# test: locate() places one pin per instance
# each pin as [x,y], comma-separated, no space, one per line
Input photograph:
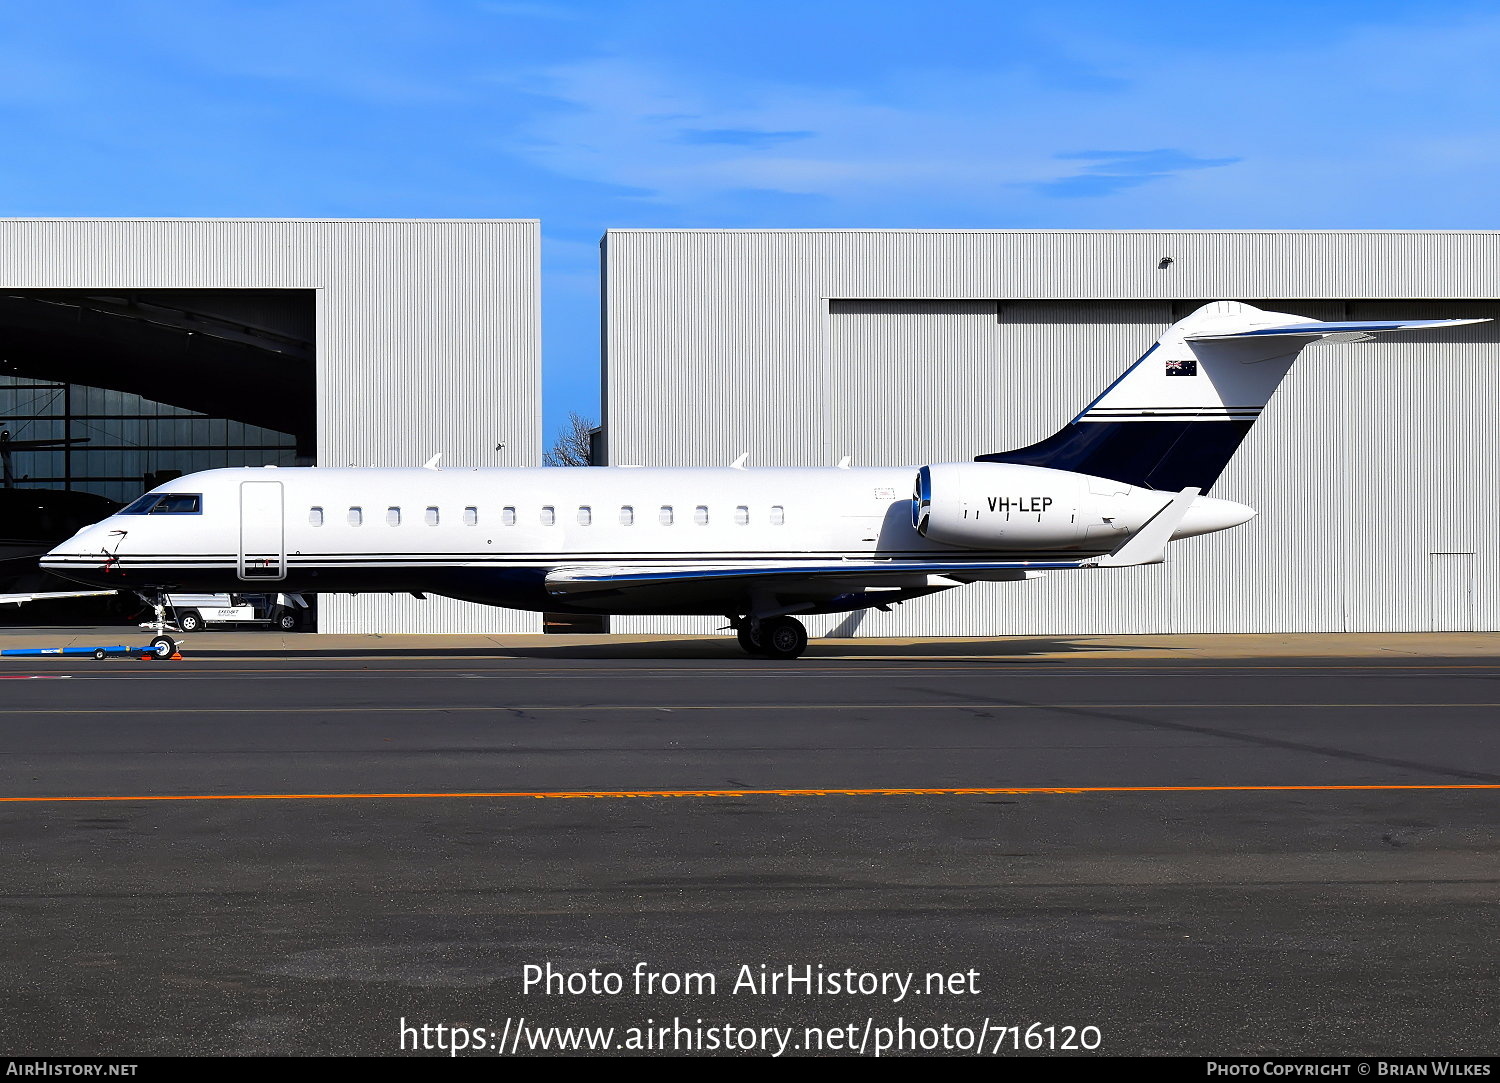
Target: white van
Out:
[284,612]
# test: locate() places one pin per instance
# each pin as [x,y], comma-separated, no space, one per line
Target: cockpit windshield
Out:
[165,504]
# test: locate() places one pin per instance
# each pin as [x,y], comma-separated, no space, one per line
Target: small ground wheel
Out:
[100,654]
[190,620]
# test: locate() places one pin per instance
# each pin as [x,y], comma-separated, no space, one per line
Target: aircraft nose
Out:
[82,541]
[1209,514]
[81,558]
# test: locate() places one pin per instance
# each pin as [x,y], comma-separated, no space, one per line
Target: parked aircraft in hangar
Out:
[760,547]
[33,520]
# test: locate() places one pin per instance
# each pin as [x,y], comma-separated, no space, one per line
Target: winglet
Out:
[1148,545]
[739,464]
[432,463]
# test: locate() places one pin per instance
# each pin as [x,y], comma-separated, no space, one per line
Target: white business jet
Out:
[758,546]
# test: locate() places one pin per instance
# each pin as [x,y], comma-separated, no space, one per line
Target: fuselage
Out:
[493,535]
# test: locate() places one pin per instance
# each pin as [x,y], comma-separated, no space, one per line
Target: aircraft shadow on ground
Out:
[717,648]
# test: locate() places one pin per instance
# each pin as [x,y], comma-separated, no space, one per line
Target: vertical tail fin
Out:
[1175,418]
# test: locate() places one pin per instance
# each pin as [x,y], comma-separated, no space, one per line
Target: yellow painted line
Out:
[1215,705]
[944,791]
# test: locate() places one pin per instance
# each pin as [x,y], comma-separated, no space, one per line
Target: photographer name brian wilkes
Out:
[1376,1068]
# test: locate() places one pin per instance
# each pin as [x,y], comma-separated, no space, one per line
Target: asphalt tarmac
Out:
[295,855]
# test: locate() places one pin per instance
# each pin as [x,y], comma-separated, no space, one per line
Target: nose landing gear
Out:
[162,645]
[781,638]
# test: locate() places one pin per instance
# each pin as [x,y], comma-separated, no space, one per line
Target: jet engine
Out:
[998,506]
[1016,509]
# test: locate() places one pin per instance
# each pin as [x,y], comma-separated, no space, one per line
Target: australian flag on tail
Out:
[1182,367]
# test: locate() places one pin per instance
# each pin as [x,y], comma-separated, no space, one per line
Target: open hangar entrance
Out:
[107,393]
[426,344]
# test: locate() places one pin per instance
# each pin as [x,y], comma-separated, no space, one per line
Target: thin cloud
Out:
[1111,171]
[994,145]
[740,137]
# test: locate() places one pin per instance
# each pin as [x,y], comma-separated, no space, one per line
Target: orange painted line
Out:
[944,791]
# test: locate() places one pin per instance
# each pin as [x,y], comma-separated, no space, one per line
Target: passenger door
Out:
[262,555]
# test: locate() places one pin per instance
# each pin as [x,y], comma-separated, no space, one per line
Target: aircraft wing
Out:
[22,599]
[591,579]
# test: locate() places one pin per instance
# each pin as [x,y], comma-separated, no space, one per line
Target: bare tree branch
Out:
[572,446]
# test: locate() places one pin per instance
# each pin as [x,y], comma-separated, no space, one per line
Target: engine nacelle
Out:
[1013,508]
[998,506]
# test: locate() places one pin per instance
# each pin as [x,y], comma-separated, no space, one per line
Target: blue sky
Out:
[588,115]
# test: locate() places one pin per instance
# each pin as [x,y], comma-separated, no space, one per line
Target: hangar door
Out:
[262,555]
[922,381]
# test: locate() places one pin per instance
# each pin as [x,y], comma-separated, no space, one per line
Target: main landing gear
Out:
[782,638]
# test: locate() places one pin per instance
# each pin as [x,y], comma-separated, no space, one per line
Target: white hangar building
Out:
[143,348]
[1375,468]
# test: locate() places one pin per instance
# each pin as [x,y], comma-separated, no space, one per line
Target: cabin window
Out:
[549,515]
[508,516]
[742,516]
[627,515]
[356,516]
[585,515]
[430,517]
[700,515]
[664,517]
[471,516]
[392,516]
[315,516]
[778,515]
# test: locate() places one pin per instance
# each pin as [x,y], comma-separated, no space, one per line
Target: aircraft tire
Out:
[163,646]
[749,642]
[782,638]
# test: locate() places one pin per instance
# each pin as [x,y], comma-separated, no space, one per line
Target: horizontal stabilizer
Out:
[1317,329]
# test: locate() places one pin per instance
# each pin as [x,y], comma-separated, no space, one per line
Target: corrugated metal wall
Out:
[802,347]
[428,340]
